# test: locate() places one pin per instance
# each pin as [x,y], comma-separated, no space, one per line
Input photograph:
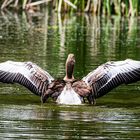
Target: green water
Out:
[46,39]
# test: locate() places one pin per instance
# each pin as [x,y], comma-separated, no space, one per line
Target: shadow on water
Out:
[46,39]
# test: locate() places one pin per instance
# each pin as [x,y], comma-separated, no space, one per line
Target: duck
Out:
[71,91]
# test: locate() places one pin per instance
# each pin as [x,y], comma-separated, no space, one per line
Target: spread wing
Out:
[27,74]
[112,74]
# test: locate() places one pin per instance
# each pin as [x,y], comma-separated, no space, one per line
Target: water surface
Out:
[46,39]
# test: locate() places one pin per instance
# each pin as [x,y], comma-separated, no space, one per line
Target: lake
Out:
[46,38]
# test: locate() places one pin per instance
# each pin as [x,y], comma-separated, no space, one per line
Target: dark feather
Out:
[112,74]
[27,74]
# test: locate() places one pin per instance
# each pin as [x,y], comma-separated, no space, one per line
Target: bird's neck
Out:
[69,71]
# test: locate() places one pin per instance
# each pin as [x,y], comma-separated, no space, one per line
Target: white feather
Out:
[69,97]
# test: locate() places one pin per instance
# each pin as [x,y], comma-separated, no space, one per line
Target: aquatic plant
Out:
[97,7]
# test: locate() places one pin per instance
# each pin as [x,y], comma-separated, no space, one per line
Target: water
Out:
[46,39]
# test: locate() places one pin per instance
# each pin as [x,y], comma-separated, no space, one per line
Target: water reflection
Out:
[50,34]
[61,122]
[46,39]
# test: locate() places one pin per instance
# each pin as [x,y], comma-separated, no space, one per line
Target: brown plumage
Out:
[69,90]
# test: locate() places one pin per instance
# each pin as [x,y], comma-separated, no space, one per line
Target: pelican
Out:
[69,90]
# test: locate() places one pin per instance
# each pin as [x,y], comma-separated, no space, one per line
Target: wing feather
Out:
[27,74]
[112,74]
